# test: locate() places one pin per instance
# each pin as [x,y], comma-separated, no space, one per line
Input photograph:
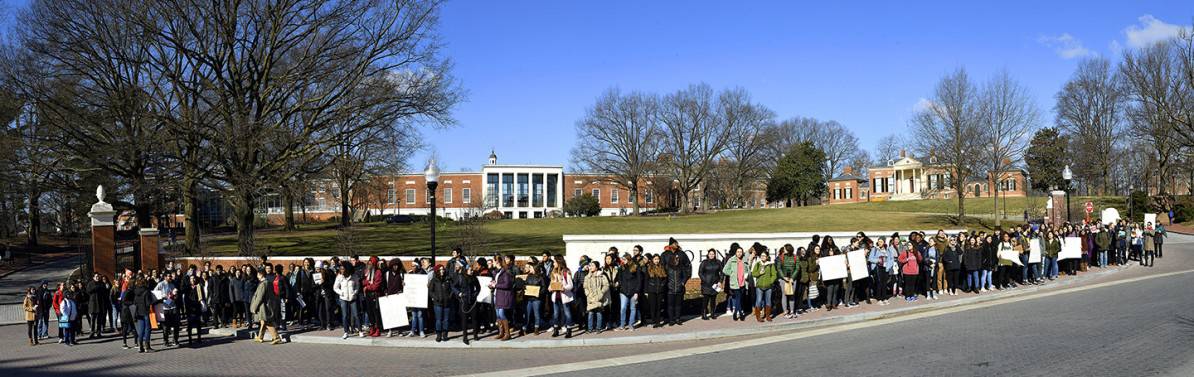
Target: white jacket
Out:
[346,287]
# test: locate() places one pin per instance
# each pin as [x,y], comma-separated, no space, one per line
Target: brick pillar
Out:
[150,243]
[103,237]
[1055,210]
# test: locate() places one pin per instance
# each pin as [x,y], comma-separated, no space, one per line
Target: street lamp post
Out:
[432,175]
[1067,175]
[1130,189]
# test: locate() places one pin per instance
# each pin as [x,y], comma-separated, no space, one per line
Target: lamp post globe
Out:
[432,177]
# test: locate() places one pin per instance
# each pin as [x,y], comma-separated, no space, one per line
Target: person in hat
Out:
[372,287]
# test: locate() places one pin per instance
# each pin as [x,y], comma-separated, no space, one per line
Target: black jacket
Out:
[236,290]
[676,277]
[972,258]
[440,290]
[537,280]
[630,283]
[952,259]
[466,289]
[142,298]
[655,285]
[97,296]
[710,274]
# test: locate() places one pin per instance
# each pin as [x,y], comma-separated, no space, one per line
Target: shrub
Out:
[584,205]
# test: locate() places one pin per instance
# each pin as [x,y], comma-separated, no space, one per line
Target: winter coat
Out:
[710,273]
[990,256]
[677,276]
[97,296]
[236,289]
[393,283]
[909,263]
[466,288]
[371,284]
[656,280]
[1052,247]
[952,259]
[810,271]
[972,258]
[257,304]
[764,274]
[630,283]
[345,287]
[731,270]
[440,290]
[596,291]
[30,314]
[503,290]
[142,299]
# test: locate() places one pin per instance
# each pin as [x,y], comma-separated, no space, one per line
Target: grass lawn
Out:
[531,236]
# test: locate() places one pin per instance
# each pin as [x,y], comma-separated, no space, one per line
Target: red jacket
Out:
[372,282]
[58,301]
[909,262]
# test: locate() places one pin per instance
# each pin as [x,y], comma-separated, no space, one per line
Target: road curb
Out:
[768,328]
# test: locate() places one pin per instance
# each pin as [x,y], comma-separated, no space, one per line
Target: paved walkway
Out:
[12,287]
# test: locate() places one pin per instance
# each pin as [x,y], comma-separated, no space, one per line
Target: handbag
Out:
[789,288]
[813,292]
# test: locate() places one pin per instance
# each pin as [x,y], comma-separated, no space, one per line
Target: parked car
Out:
[399,219]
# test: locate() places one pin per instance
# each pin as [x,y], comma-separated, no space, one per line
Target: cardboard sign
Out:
[393,311]
[486,295]
[858,267]
[1034,250]
[832,267]
[1071,248]
[414,291]
[531,291]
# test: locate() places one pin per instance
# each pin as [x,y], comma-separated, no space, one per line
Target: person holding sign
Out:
[789,273]
[1149,246]
[832,286]
[560,287]
[533,293]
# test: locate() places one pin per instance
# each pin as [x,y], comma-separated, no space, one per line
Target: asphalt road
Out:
[1134,328]
[1141,328]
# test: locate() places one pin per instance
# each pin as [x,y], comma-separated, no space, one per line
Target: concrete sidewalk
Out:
[722,327]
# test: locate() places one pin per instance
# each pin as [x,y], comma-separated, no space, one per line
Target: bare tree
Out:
[751,128]
[694,135]
[950,129]
[281,79]
[839,144]
[1008,117]
[620,137]
[1090,108]
[888,147]
[1152,80]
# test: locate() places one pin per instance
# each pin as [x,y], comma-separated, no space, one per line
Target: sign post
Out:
[1089,210]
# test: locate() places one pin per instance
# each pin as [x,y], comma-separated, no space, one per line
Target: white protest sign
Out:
[1034,250]
[1150,218]
[1071,248]
[1009,254]
[486,295]
[1110,216]
[832,267]
[414,291]
[393,312]
[857,259]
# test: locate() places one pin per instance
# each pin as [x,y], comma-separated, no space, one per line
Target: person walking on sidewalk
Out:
[30,307]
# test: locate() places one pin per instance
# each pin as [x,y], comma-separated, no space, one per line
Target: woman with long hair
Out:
[910,268]
[710,273]
[503,297]
[560,286]
[765,276]
[654,288]
[736,269]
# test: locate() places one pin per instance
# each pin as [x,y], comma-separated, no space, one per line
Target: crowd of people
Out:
[618,292]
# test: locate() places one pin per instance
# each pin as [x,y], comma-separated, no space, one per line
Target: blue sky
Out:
[531,68]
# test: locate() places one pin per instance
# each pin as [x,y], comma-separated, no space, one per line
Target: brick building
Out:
[907,178]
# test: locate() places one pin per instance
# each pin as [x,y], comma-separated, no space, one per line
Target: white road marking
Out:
[658,356]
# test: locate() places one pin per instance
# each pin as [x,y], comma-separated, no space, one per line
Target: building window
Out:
[597,194]
[538,214]
[837,194]
[553,183]
[466,195]
[447,194]
[491,184]
[575,193]
[537,190]
[391,194]
[613,195]
[507,190]
[650,198]
[410,196]
[522,214]
[323,203]
[427,197]
[849,193]
[523,190]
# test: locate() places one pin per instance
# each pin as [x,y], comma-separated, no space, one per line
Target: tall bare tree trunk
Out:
[242,209]
[287,209]
[34,218]
[189,213]
[634,196]
[961,220]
